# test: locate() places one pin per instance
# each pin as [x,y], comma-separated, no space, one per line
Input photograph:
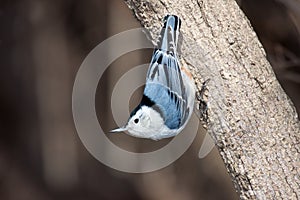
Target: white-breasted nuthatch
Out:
[169,94]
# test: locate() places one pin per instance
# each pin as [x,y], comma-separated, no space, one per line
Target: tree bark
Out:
[252,121]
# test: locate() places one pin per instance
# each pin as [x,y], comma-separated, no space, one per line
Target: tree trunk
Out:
[251,119]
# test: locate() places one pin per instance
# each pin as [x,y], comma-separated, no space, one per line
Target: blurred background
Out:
[42,45]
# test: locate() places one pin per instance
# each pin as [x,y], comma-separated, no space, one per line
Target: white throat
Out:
[151,124]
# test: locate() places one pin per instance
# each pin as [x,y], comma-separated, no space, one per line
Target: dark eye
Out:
[136,120]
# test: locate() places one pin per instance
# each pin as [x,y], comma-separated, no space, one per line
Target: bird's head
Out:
[144,122]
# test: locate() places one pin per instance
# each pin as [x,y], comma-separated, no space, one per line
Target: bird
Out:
[169,94]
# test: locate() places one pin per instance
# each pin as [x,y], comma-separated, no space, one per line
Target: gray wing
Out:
[165,87]
[164,83]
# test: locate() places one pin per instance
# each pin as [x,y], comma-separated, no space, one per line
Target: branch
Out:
[253,122]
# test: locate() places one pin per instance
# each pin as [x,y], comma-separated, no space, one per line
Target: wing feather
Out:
[165,87]
[164,83]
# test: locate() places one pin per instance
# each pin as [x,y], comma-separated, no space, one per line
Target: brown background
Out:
[42,44]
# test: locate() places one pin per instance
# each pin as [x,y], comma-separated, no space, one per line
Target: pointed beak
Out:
[118,130]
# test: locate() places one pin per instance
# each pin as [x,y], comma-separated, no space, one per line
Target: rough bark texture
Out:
[251,119]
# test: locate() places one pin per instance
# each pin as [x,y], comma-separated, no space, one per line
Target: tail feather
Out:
[169,34]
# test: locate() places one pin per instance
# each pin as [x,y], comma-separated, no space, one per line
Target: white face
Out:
[146,123]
